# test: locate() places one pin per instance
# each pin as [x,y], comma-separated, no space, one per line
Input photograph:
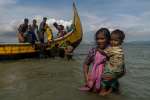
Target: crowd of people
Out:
[36,33]
[32,33]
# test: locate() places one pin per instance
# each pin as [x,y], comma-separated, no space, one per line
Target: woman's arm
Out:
[86,70]
[89,59]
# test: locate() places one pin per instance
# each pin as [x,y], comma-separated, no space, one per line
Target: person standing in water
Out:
[97,58]
[68,50]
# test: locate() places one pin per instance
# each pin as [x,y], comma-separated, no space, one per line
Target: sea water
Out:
[59,79]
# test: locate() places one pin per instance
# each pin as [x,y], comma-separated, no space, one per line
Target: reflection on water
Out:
[55,79]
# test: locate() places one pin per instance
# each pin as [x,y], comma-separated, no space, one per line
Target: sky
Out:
[131,16]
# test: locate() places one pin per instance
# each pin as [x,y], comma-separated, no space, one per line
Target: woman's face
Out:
[101,40]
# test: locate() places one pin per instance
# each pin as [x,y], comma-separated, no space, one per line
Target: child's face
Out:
[114,40]
[101,40]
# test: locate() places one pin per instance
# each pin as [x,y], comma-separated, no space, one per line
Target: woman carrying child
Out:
[107,63]
[97,58]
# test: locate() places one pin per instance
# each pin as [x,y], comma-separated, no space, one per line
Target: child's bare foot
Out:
[109,91]
[104,92]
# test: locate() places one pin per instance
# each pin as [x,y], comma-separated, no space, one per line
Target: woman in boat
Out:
[23,28]
[61,30]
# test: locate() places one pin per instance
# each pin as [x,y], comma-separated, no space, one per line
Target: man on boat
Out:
[30,36]
[34,28]
[23,28]
[42,30]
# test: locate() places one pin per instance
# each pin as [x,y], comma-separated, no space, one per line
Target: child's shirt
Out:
[116,58]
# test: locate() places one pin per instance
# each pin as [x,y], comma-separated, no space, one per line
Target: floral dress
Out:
[97,59]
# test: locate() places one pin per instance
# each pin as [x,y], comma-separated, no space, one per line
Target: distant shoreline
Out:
[131,42]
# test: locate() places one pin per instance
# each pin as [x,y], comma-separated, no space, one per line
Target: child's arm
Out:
[108,51]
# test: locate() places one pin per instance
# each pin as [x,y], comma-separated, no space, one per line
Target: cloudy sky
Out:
[132,16]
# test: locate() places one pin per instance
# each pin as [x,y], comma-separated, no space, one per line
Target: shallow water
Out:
[55,79]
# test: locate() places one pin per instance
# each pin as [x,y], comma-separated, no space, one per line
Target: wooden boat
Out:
[23,50]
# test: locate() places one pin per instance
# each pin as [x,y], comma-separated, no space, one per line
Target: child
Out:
[114,68]
[97,57]
[68,50]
